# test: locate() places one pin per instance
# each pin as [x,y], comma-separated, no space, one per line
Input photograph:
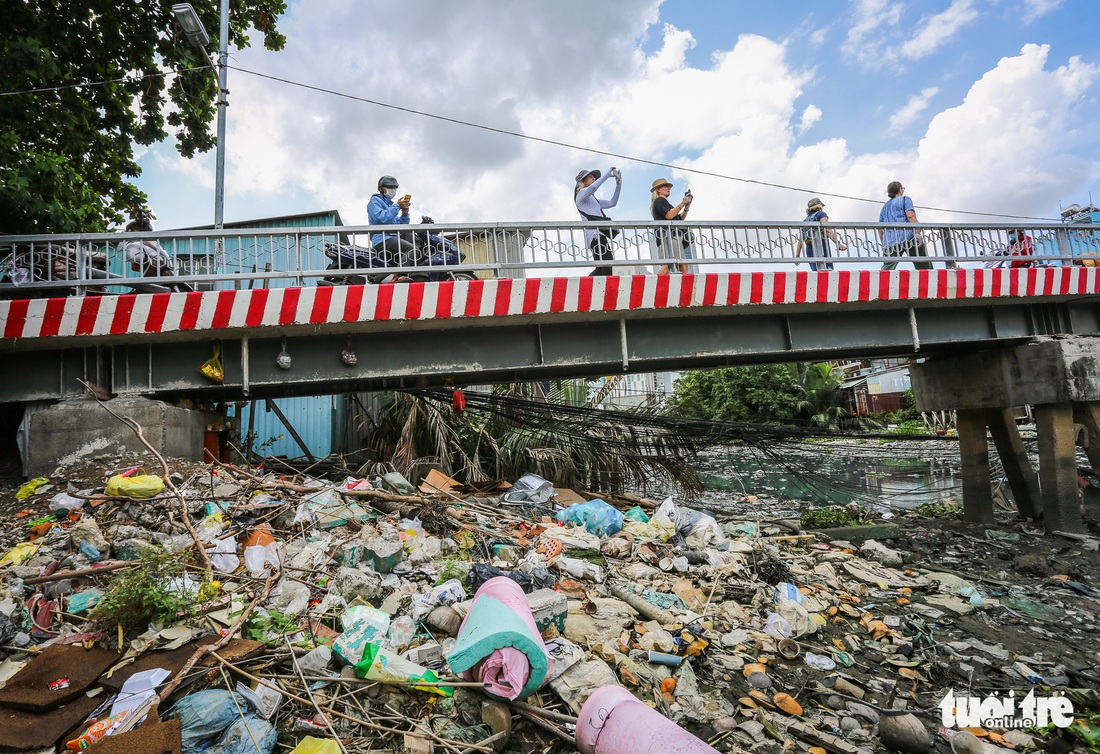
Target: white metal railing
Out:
[79,264]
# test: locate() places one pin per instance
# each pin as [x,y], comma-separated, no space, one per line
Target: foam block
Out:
[499,643]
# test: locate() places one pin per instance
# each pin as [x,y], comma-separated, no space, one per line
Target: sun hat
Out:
[658,183]
[815,202]
[585,173]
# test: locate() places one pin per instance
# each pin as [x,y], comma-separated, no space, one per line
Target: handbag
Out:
[608,233]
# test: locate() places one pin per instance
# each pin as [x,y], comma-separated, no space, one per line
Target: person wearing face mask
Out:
[384,208]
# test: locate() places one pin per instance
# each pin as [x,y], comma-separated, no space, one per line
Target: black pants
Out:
[601,252]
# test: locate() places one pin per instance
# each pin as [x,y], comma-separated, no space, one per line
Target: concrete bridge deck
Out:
[503,329]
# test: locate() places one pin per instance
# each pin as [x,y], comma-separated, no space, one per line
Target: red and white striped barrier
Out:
[93,316]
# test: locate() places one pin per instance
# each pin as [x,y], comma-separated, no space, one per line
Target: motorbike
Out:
[51,263]
[430,250]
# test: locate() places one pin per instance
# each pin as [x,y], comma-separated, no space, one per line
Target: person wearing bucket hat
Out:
[816,237]
[591,208]
[671,244]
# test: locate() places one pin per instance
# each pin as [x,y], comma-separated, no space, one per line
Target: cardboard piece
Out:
[30,688]
[23,730]
[436,481]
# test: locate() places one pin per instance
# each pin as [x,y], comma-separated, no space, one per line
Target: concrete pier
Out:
[1060,378]
[77,430]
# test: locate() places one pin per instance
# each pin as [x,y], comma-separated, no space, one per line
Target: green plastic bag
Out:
[140,487]
[636,514]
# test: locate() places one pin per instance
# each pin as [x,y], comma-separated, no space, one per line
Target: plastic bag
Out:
[141,487]
[257,559]
[581,569]
[212,367]
[597,516]
[224,556]
[636,514]
[530,488]
[31,487]
[402,632]
[290,597]
[698,529]
[778,627]
[65,501]
[447,593]
[311,745]
[378,664]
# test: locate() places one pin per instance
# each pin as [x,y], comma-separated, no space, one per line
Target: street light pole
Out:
[197,36]
[223,93]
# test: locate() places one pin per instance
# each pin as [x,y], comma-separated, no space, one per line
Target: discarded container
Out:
[499,643]
[789,649]
[614,721]
[663,658]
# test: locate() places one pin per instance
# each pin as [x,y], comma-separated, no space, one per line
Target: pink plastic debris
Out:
[614,721]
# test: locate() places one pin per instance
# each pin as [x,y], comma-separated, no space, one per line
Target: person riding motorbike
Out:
[384,208]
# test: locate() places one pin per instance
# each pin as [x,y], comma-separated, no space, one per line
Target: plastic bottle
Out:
[316,660]
[94,732]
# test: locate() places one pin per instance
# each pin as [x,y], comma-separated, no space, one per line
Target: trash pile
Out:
[229,610]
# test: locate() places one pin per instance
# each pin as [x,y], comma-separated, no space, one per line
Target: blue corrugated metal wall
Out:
[318,420]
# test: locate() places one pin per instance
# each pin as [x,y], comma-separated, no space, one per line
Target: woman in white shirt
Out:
[592,208]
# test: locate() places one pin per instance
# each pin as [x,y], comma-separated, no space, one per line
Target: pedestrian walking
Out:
[900,241]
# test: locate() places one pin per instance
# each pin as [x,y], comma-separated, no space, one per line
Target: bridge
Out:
[1001,330]
[532,312]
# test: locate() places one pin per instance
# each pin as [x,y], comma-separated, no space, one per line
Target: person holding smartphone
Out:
[677,243]
[384,208]
[591,208]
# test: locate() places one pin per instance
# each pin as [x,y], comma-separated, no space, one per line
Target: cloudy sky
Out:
[978,105]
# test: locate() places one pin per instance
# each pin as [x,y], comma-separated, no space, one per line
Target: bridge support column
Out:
[1060,377]
[1088,416]
[974,450]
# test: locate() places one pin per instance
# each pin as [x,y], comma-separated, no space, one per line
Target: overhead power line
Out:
[615,155]
[528,137]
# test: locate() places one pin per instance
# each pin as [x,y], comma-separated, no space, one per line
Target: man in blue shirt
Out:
[899,241]
[385,209]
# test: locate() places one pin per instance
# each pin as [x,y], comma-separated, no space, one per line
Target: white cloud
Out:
[916,105]
[1034,9]
[583,79]
[811,115]
[875,23]
[936,30]
[1006,148]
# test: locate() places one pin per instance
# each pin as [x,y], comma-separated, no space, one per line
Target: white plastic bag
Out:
[263,560]
[224,557]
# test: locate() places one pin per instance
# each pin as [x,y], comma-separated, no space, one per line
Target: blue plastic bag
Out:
[597,516]
[210,721]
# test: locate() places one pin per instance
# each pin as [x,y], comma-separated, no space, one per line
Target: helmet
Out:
[387,181]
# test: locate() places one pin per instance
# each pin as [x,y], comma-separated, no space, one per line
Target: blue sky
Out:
[983,105]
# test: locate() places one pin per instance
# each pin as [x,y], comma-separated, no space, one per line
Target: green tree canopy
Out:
[757,394]
[82,83]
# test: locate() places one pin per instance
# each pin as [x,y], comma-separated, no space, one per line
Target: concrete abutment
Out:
[1060,378]
[76,430]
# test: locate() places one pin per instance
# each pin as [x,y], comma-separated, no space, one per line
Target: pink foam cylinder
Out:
[614,721]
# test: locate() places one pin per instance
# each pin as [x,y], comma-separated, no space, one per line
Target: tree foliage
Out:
[82,83]
[756,394]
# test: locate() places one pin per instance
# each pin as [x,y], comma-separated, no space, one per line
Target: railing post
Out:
[947,236]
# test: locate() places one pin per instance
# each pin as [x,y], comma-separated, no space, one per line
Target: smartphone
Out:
[408,197]
[687,193]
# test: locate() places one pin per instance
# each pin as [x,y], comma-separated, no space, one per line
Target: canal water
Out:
[788,478]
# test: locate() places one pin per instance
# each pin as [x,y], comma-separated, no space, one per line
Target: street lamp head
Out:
[191,24]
